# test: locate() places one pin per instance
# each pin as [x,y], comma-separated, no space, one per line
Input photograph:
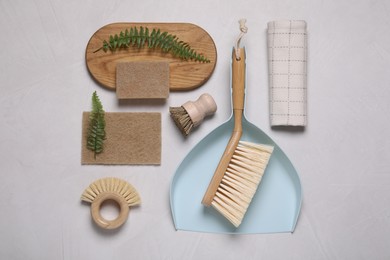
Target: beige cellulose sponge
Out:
[142,80]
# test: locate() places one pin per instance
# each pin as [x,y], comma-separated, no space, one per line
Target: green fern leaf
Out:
[96,129]
[141,35]
[164,41]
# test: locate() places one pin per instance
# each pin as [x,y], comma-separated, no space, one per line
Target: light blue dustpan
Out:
[274,208]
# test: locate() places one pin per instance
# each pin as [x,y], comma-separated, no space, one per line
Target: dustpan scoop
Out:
[275,206]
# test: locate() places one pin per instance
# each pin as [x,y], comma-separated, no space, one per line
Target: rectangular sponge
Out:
[131,138]
[142,80]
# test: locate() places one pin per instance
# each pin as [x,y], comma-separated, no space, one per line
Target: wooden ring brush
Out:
[242,165]
[117,190]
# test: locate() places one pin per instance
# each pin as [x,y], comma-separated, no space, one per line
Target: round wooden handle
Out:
[203,106]
[206,104]
[109,224]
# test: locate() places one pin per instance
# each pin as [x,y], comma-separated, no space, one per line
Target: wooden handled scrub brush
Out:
[192,113]
[242,165]
[114,189]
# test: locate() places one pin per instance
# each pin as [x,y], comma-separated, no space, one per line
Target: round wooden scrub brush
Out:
[192,113]
[117,190]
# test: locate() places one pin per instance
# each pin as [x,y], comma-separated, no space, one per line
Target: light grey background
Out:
[342,156]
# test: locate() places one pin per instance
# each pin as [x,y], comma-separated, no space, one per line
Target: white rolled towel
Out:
[287,64]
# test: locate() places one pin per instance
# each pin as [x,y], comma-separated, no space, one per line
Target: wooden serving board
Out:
[184,75]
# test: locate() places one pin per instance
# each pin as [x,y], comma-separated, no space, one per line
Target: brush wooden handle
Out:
[109,224]
[203,106]
[238,92]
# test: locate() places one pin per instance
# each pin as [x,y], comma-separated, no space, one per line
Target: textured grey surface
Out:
[342,155]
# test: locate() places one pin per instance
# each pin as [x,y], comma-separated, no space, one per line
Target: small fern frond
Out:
[138,38]
[96,129]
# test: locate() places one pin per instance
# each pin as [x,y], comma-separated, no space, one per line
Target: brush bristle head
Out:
[241,179]
[112,185]
[181,119]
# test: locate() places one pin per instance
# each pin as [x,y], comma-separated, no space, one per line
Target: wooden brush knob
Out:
[203,106]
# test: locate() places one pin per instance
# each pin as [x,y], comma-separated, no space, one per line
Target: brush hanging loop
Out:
[243,30]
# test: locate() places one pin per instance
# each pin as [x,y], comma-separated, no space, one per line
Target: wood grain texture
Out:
[184,75]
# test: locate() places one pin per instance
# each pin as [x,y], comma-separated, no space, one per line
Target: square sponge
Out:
[142,80]
[131,138]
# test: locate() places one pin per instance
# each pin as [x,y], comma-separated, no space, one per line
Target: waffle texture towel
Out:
[287,64]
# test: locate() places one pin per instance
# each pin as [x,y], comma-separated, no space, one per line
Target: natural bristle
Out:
[181,119]
[241,179]
[115,185]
